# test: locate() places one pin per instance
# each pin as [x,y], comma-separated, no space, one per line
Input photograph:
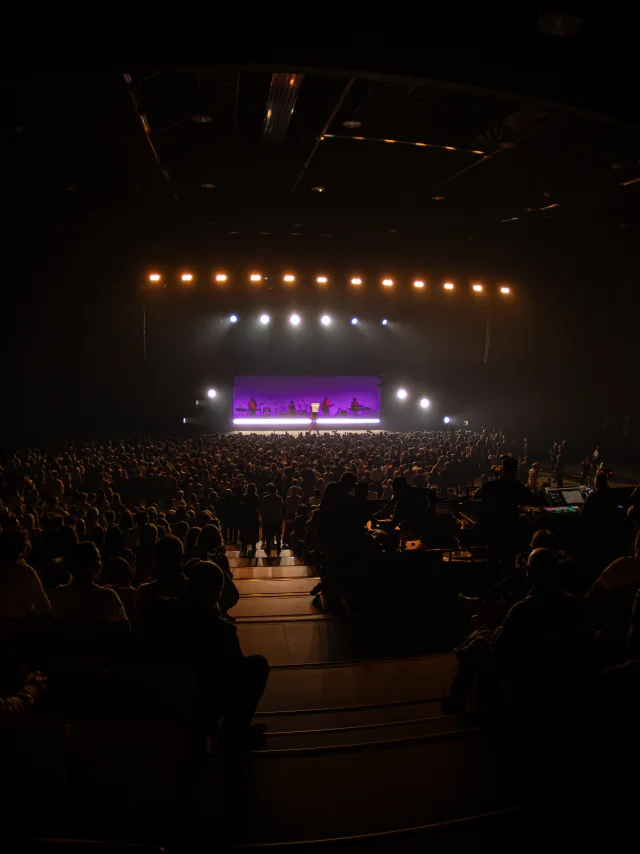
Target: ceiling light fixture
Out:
[221,277]
[505,289]
[448,286]
[154,277]
[255,277]
[325,320]
[201,120]
[351,124]
[322,280]
[418,283]
[438,198]
[387,283]
[289,278]
[477,288]
[318,189]
[356,280]
[207,186]
[186,277]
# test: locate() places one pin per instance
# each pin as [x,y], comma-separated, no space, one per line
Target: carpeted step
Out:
[363,734]
[274,586]
[357,684]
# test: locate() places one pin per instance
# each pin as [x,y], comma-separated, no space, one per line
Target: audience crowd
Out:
[136,532]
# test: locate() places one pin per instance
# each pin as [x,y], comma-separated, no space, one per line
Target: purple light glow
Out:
[274,394]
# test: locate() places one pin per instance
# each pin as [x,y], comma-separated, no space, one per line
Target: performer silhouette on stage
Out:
[292,408]
[355,406]
[313,425]
[325,406]
[253,406]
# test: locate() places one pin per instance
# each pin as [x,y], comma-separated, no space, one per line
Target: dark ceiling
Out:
[101,150]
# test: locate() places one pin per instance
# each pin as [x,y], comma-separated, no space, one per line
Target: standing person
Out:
[272,516]
[534,473]
[586,468]
[325,406]
[559,471]
[250,525]
[253,407]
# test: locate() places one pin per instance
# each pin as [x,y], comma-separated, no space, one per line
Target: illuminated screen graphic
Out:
[287,400]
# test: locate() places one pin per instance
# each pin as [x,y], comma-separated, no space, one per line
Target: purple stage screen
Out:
[289,397]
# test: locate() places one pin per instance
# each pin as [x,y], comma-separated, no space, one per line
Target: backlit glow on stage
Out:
[262,400]
[302,422]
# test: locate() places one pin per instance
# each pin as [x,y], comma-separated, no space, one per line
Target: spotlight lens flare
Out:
[255,277]
[325,320]
[356,280]
[402,394]
[425,403]
[385,322]
[322,280]
[387,283]
[448,286]
[478,289]
[354,321]
[289,278]
[294,320]
[211,393]
[233,318]
[446,419]
[264,319]
[505,290]
[418,283]
[186,277]
[154,277]
[221,277]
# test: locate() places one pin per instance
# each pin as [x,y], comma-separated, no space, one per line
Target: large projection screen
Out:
[352,401]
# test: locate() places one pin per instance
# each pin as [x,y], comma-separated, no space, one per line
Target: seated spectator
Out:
[211,548]
[537,648]
[230,684]
[82,600]
[119,575]
[608,605]
[21,591]
[18,695]
[169,580]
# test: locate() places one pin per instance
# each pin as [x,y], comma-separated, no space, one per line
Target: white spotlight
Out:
[402,394]
[325,320]
[211,393]
[425,403]
[294,320]
[184,420]
[354,321]
[446,419]
[264,319]
[233,318]
[385,321]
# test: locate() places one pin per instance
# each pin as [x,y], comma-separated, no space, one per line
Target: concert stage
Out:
[277,402]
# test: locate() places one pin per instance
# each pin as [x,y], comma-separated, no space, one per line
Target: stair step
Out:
[237,562]
[364,683]
[254,571]
[275,586]
[269,607]
[389,713]
[363,734]
[334,792]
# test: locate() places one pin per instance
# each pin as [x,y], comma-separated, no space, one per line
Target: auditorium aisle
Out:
[357,744]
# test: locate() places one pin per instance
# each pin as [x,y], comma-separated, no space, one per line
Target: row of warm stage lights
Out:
[289,279]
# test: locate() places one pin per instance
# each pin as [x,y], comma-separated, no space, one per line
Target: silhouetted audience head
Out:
[83,564]
[542,569]
[205,583]
[168,555]
[14,545]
